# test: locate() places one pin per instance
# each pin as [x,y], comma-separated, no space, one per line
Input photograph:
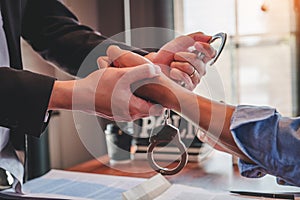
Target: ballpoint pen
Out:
[265,194]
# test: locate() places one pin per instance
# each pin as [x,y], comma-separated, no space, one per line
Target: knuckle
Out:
[99,60]
[186,67]
[146,66]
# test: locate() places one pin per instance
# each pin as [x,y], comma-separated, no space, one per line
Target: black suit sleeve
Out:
[54,32]
[24,100]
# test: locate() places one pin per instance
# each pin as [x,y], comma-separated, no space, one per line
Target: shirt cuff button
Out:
[259,174]
[281,182]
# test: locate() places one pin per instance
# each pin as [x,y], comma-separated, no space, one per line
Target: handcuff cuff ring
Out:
[180,145]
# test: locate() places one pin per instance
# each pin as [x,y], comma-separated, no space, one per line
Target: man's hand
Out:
[176,59]
[182,65]
[107,93]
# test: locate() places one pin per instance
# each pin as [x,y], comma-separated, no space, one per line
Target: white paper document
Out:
[58,184]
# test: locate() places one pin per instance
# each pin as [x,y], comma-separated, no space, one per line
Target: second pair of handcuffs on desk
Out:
[167,133]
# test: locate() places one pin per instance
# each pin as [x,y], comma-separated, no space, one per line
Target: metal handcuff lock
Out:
[167,133]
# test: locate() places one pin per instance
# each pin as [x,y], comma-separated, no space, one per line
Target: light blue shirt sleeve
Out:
[269,140]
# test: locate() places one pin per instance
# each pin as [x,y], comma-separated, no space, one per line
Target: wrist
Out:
[61,96]
[150,56]
[161,90]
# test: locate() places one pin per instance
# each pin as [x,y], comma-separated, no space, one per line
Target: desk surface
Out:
[215,173]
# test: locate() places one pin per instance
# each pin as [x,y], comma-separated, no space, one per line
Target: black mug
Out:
[118,142]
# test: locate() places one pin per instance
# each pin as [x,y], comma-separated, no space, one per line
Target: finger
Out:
[206,49]
[192,60]
[200,36]
[185,56]
[124,58]
[186,41]
[140,72]
[114,52]
[122,92]
[103,62]
[138,108]
[141,108]
[183,66]
[181,77]
[182,43]
[194,77]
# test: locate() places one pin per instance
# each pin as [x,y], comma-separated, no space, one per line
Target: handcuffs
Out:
[167,133]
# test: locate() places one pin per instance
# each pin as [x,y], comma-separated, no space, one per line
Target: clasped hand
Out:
[111,84]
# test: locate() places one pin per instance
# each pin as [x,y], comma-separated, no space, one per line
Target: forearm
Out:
[73,95]
[61,96]
[213,117]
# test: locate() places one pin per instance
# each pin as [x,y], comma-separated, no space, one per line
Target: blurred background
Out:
[258,65]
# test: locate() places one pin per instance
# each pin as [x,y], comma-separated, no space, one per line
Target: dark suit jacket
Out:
[54,32]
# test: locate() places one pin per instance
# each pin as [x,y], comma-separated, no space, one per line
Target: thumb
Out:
[141,72]
[114,52]
[200,37]
[190,39]
[124,58]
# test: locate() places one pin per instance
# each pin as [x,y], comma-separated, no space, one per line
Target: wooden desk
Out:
[216,173]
